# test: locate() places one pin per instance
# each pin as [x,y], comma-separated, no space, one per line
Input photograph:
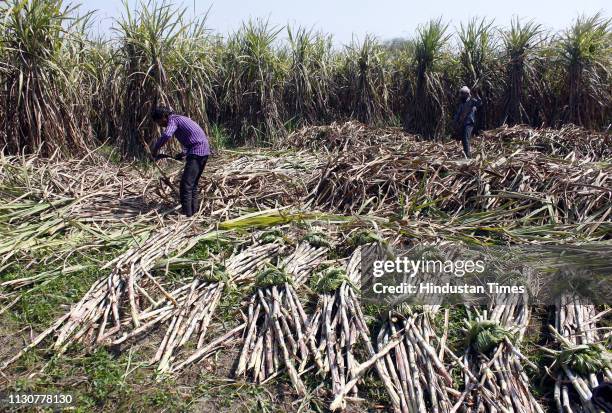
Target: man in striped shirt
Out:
[195,149]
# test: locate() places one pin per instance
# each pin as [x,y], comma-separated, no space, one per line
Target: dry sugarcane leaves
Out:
[534,189]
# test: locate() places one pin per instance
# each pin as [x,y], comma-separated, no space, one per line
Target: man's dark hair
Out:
[161,112]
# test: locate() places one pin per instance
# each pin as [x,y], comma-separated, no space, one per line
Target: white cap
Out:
[464,89]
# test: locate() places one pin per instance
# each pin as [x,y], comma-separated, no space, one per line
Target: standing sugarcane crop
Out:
[465,117]
[195,148]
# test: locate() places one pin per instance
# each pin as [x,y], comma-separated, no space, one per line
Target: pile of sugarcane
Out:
[191,316]
[583,361]
[188,310]
[569,140]
[52,208]
[243,266]
[524,186]
[90,189]
[275,336]
[307,255]
[257,181]
[420,380]
[131,302]
[338,325]
[494,375]
[195,313]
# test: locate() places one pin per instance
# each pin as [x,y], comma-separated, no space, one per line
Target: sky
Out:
[386,19]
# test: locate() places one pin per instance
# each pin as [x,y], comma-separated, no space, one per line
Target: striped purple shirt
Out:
[188,133]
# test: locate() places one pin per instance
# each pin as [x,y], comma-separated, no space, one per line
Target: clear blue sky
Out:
[384,18]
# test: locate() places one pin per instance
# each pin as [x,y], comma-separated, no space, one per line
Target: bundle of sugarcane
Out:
[186,313]
[276,324]
[274,337]
[419,376]
[308,255]
[193,317]
[98,316]
[495,379]
[338,324]
[532,188]
[582,363]
[190,303]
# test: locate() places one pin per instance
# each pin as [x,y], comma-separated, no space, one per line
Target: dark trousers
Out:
[465,139]
[194,166]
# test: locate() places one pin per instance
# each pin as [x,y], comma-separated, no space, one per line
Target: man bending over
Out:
[195,150]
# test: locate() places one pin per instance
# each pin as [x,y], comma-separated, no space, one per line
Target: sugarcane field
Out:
[278,216]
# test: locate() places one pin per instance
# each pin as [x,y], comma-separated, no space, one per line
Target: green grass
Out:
[43,302]
[226,396]
[219,137]
[102,381]
[39,307]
